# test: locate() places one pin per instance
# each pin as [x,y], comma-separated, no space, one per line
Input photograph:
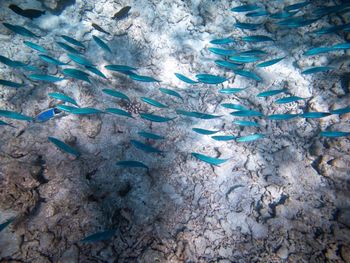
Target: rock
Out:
[345,253]
[71,255]
[344,217]
[91,126]
[283,252]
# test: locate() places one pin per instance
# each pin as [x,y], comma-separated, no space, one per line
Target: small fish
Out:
[4,123]
[230,90]
[244,59]
[253,52]
[246,123]
[332,29]
[247,26]
[98,28]
[119,112]
[341,110]
[73,41]
[142,78]
[80,60]
[68,48]
[245,8]
[122,13]
[131,163]
[14,115]
[318,50]
[208,159]
[76,74]
[63,97]
[7,223]
[11,84]
[247,113]
[247,74]
[29,13]
[271,93]
[149,135]
[314,115]
[334,134]
[288,99]
[222,52]
[210,79]
[154,102]
[269,62]
[185,79]
[47,78]
[296,22]
[102,44]
[223,137]
[51,60]
[199,115]
[96,71]
[120,68]
[63,146]
[227,64]
[341,46]
[47,115]
[85,111]
[11,63]
[257,38]
[285,116]
[20,30]
[296,6]
[116,94]
[171,93]
[144,147]
[257,13]
[66,108]
[100,236]
[35,46]
[250,138]
[155,118]
[234,106]
[316,70]
[203,131]
[283,15]
[222,41]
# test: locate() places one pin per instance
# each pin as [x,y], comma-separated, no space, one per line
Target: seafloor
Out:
[284,198]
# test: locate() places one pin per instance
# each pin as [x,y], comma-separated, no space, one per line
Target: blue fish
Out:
[7,223]
[62,97]
[318,50]
[155,118]
[271,93]
[120,68]
[316,70]
[247,74]
[223,137]
[314,115]
[51,60]
[285,116]
[203,131]
[227,64]
[20,30]
[234,106]
[250,138]
[63,146]
[341,110]
[154,102]
[132,163]
[247,113]
[257,38]
[80,60]
[96,71]
[208,159]
[296,6]
[47,78]
[199,115]
[244,58]
[269,62]
[246,123]
[149,135]
[210,79]
[142,78]
[247,26]
[222,41]
[100,236]
[14,115]
[73,41]
[116,94]
[35,46]
[334,134]
[119,112]
[231,90]
[144,147]
[222,52]
[11,84]
[245,8]
[47,115]
[68,48]
[283,15]
[76,74]
[171,93]
[257,13]
[102,44]
[185,79]
[288,99]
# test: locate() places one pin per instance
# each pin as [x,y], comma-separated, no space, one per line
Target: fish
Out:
[185,79]
[96,71]
[73,41]
[271,93]
[62,97]
[222,52]
[318,50]
[80,60]
[51,60]
[341,46]
[314,115]
[199,115]
[149,135]
[257,38]
[120,68]
[131,163]
[47,115]
[257,13]
[288,99]
[100,236]
[14,115]
[246,123]
[170,92]
[29,13]
[247,26]
[35,46]
[234,106]
[144,147]
[230,90]
[155,118]
[4,123]
[269,62]
[85,111]
[76,74]
[244,59]
[222,41]
[247,74]
[250,138]
[122,13]
[66,108]
[210,79]
[20,30]
[227,64]
[334,134]
[47,78]
[204,132]
[6,223]
[116,94]
[11,84]
[102,44]
[154,102]
[296,6]
[247,113]
[68,48]
[224,137]
[296,22]
[11,63]
[341,111]
[98,28]
[285,116]
[253,52]
[119,112]
[316,70]
[245,8]
[63,146]
[332,29]
[142,78]
[208,159]
[283,15]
